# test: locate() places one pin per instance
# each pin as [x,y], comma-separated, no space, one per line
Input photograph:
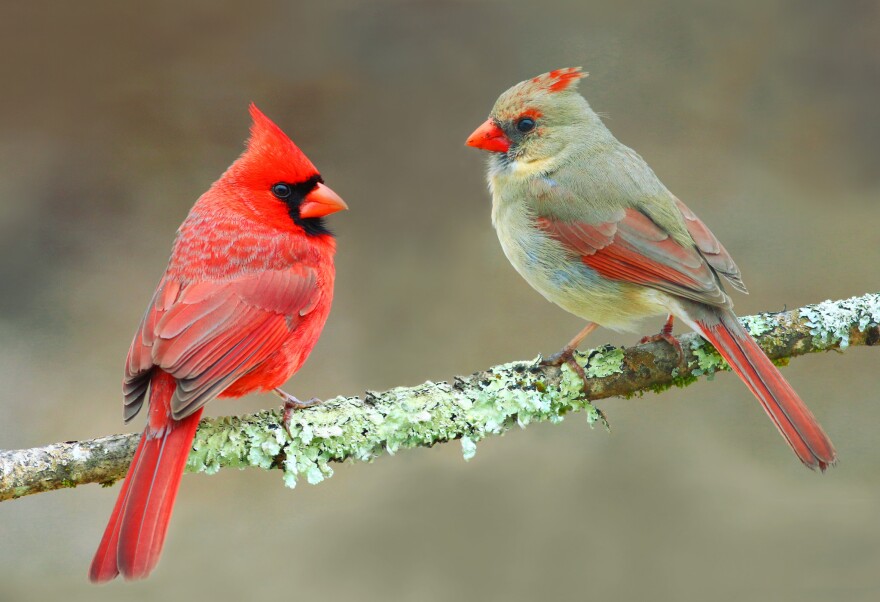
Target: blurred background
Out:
[763,116]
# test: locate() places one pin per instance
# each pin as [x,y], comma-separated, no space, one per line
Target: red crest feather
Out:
[270,150]
[559,79]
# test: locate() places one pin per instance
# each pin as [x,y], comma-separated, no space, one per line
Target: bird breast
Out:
[563,278]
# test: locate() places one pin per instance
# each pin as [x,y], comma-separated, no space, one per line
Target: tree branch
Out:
[472,407]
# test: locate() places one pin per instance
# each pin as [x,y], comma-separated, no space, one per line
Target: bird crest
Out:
[558,79]
[270,150]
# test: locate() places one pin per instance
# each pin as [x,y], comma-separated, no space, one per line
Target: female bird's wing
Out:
[711,248]
[209,334]
[629,246]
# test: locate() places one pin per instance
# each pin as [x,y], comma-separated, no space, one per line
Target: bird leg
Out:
[291,403]
[566,354]
[665,334]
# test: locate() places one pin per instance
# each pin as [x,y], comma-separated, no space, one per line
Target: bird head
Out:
[533,120]
[276,181]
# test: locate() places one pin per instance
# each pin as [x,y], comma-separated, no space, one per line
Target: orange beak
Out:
[489,137]
[320,202]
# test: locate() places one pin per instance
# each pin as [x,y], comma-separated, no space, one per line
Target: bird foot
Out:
[291,403]
[669,338]
[566,356]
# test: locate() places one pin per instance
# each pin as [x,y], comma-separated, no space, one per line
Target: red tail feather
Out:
[790,415]
[134,536]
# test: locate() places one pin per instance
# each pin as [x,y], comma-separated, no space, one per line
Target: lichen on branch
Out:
[469,408]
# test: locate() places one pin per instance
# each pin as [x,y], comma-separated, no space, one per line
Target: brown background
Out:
[764,117]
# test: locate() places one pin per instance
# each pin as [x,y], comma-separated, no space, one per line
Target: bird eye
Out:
[282,191]
[525,125]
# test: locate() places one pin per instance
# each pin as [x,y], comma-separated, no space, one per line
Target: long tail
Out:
[134,536]
[787,411]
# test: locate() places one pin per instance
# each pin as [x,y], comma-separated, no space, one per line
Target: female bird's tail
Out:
[786,409]
[134,536]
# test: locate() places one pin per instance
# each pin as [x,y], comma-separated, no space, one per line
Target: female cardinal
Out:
[243,301]
[587,223]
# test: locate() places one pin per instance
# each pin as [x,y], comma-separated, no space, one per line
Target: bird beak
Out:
[489,137]
[321,201]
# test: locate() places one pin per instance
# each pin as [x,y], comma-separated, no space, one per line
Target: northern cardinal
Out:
[241,304]
[587,223]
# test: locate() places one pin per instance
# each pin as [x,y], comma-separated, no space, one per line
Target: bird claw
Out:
[665,334]
[291,403]
[565,355]
[669,338]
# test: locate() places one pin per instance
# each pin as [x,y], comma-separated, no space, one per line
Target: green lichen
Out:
[351,428]
[708,360]
[758,324]
[606,363]
[830,321]
[468,448]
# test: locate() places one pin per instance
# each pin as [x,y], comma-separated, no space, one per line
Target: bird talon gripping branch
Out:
[291,404]
[557,359]
[665,334]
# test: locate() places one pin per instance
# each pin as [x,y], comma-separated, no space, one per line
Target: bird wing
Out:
[630,247]
[711,248]
[208,334]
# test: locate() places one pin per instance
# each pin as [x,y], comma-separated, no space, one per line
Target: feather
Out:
[782,404]
[559,79]
[208,333]
[636,250]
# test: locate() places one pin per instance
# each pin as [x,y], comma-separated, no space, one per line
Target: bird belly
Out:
[566,281]
[277,369]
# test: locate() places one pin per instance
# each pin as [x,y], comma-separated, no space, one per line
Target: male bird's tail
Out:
[787,411]
[134,536]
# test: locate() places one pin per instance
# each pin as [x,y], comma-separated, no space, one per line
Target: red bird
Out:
[590,226]
[243,301]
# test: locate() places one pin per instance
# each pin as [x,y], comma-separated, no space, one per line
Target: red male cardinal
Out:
[587,223]
[243,301]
